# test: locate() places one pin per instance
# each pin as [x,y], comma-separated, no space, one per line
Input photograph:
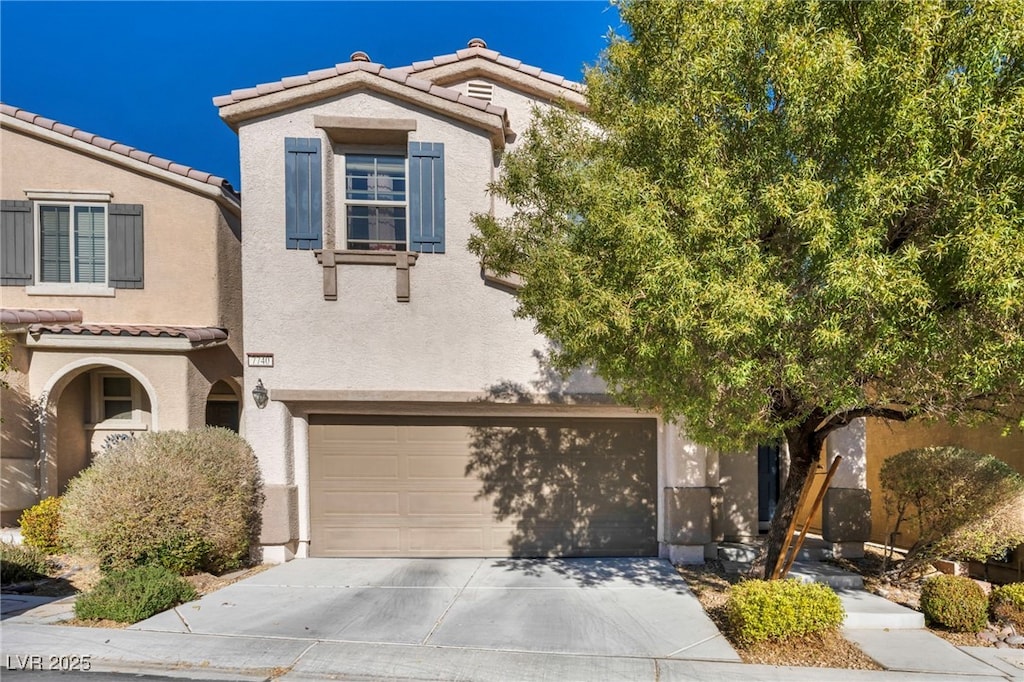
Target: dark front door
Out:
[767,484]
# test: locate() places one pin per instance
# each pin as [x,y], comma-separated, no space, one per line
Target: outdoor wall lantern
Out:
[259,394]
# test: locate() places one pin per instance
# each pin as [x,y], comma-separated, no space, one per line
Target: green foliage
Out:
[760,610]
[21,563]
[955,602]
[134,594]
[6,358]
[40,525]
[965,506]
[188,500]
[1006,603]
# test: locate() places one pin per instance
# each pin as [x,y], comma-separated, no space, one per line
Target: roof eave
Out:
[489,120]
[218,193]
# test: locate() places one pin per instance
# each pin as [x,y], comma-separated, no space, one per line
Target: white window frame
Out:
[99,423]
[346,202]
[71,199]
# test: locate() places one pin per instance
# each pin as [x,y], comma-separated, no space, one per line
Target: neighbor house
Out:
[121,288]
[410,413]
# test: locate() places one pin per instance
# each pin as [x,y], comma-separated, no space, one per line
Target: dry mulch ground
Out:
[73,574]
[710,583]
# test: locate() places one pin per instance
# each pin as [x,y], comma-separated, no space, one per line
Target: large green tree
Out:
[778,217]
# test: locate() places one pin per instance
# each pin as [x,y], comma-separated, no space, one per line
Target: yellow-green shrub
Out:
[760,610]
[40,525]
[955,602]
[1007,603]
[187,500]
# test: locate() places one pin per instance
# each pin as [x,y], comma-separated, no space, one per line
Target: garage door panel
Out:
[346,466]
[444,466]
[560,487]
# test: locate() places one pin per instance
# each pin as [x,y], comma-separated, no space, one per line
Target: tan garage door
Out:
[448,486]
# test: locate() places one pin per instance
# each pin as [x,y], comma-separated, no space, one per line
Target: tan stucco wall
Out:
[738,471]
[73,446]
[885,439]
[183,236]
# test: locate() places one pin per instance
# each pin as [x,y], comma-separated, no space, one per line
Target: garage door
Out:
[440,486]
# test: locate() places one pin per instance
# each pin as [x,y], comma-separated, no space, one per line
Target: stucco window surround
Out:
[71,242]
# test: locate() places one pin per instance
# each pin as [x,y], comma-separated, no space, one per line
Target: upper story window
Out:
[376,202]
[73,243]
[69,242]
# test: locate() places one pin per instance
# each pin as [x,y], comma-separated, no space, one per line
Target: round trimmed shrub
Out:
[760,610]
[955,602]
[134,594]
[1006,603]
[186,500]
[40,525]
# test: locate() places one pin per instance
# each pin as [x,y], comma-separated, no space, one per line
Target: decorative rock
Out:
[1015,640]
[1002,645]
[987,636]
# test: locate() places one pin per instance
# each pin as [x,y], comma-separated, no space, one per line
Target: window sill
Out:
[61,289]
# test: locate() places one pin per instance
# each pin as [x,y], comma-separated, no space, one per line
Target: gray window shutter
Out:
[426,197]
[17,243]
[303,193]
[125,241]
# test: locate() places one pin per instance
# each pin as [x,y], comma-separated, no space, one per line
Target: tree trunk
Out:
[804,449]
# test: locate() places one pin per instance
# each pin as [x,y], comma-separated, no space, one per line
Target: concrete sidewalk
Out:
[467,619]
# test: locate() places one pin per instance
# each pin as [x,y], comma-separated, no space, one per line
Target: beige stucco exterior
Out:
[453,348]
[192,278]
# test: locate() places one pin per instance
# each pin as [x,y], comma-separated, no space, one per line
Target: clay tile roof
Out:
[400,75]
[37,315]
[116,147]
[193,334]
[477,49]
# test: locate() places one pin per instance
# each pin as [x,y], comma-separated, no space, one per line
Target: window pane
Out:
[54,244]
[90,244]
[376,227]
[117,387]
[117,409]
[374,178]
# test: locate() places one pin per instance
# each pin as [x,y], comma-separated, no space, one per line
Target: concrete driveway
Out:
[609,607]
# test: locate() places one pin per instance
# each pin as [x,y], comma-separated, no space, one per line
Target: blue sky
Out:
[144,73]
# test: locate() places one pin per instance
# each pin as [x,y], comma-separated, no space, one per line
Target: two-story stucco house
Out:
[120,280]
[410,412]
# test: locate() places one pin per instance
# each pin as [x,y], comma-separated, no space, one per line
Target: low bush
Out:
[186,500]
[1006,603]
[21,563]
[134,594]
[40,525]
[961,505]
[955,602]
[759,610]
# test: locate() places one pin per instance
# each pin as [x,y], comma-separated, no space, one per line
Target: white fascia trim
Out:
[204,188]
[71,195]
[99,342]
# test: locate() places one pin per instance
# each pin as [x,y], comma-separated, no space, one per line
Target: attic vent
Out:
[478,90]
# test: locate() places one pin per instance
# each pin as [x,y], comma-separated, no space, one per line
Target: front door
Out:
[767,484]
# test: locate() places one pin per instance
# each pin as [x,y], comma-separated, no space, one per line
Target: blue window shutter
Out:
[125,242]
[17,243]
[303,193]
[426,197]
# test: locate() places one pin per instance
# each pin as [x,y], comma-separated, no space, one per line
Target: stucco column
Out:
[691,498]
[846,510]
[269,432]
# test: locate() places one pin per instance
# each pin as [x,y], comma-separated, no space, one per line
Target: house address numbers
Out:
[260,359]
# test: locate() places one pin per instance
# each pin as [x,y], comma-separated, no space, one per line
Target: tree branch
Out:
[841,419]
